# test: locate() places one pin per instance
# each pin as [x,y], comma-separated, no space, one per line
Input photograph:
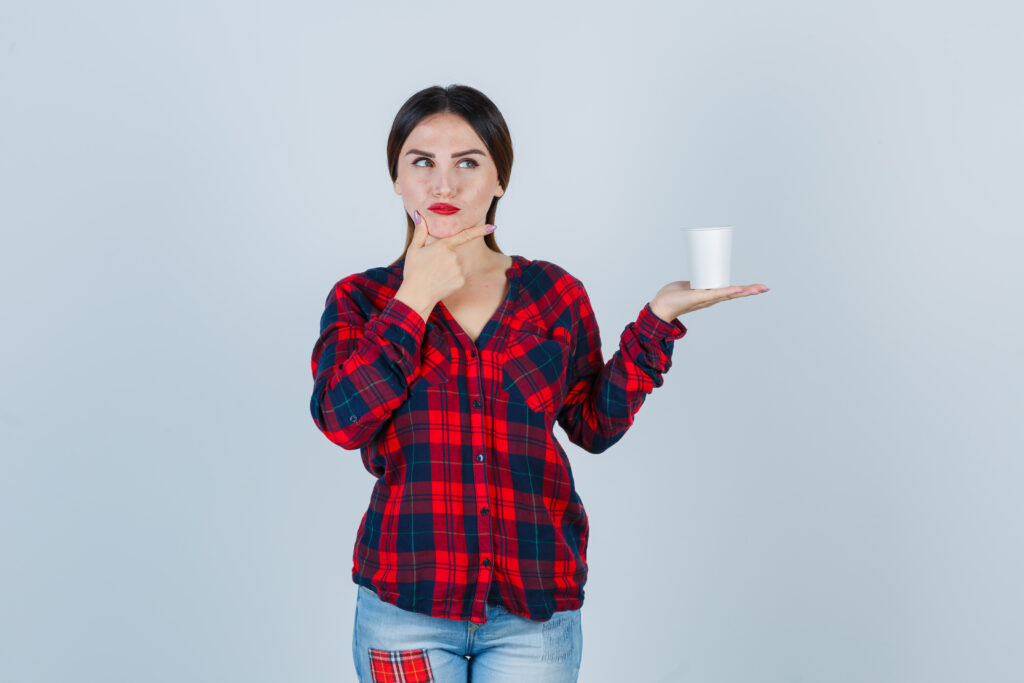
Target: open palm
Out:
[677,298]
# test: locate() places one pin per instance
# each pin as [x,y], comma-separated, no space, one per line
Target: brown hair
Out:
[478,111]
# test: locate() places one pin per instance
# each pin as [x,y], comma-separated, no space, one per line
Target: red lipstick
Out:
[443,209]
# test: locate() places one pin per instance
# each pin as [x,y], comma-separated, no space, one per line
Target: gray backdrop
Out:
[823,491]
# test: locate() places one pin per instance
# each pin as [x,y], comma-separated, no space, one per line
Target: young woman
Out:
[448,370]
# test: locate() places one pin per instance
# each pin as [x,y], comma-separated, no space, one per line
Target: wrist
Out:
[661,313]
[420,304]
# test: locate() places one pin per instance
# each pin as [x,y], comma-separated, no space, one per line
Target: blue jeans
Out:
[507,649]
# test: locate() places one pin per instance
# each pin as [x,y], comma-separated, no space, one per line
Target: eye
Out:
[417,162]
[471,161]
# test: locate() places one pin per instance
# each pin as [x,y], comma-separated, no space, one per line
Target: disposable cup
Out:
[709,252]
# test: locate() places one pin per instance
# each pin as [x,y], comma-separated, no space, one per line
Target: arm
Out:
[362,366]
[603,397]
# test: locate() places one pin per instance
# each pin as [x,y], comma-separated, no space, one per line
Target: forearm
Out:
[602,404]
[362,374]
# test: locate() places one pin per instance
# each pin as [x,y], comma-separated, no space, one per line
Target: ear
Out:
[500,192]
[398,187]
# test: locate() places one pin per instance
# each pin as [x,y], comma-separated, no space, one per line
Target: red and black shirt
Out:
[474,495]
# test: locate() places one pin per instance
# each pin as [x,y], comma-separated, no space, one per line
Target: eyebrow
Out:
[456,154]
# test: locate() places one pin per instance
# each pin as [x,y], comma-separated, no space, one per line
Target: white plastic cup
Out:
[709,252]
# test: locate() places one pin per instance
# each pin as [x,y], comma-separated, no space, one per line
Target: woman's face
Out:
[444,161]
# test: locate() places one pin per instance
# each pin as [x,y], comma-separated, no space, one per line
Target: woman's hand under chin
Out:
[434,270]
[676,298]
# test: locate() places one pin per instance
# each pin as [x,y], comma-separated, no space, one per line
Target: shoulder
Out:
[550,297]
[374,286]
[541,278]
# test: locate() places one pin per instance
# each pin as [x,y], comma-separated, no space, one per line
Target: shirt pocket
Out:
[435,358]
[534,369]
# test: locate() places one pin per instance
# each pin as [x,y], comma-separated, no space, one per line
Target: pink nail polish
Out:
[416,217]
[491,228]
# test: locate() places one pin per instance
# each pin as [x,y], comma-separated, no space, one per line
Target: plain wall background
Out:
[827,487]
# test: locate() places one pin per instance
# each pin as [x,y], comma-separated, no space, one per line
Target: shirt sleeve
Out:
[362,367]
[603,397]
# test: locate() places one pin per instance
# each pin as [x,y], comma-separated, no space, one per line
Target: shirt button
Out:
[477,403]
[472,353]
[486,562]
[352,418]
[483,511]
[479,457]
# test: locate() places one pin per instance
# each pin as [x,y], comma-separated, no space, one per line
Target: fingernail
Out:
[491,228]
[416,217]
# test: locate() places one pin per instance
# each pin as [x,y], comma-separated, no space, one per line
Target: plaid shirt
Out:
[474,495]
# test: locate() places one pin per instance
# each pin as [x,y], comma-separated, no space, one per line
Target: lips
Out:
[443,209]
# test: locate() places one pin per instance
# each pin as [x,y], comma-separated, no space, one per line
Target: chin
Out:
[441,231]
[441,234]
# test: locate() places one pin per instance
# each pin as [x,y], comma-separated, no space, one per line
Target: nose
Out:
[443,184]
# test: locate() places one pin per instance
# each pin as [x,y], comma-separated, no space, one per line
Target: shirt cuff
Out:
[652,328]
[405,317]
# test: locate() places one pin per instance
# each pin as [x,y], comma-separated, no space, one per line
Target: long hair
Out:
[479,112]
